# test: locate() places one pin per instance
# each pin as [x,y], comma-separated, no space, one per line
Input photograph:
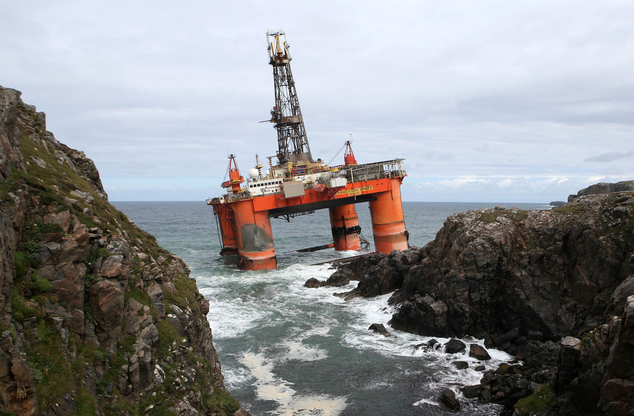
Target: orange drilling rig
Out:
[298,185]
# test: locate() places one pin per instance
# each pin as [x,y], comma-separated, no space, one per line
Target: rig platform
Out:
[298,185]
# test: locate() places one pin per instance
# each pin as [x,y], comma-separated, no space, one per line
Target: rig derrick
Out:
[299,185]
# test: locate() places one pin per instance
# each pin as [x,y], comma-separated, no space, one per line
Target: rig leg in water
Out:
[388,223]
[255,237]
[345,227]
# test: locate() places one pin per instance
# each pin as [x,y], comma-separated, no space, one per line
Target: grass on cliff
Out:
[539,402]
[221,403]
[53,373]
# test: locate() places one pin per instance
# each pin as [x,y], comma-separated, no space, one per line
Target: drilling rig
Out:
[292,142]
[298,185]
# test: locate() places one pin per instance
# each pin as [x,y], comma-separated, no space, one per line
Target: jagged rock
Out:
[478,352]
[155,293]
[111,267]
[379,328]
[137,317]
[604,188]
[455,346]
[313,283]
[184,408]
[106,303]
[65,407]
[460,365]
[447,399]
[471,392]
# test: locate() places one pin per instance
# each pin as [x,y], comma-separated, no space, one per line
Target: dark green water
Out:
[289,350]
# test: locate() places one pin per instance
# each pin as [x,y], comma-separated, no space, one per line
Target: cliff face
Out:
[95,317]
[523,280]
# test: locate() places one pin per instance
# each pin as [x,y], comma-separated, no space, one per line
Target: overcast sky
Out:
[492,101]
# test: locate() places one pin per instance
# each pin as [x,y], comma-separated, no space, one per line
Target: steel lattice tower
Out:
[287,116]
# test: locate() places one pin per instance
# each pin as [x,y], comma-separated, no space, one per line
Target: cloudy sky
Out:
[492,101]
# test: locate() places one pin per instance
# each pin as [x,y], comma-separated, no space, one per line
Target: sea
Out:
[289,350]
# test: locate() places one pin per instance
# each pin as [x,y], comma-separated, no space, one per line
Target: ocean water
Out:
[289,350]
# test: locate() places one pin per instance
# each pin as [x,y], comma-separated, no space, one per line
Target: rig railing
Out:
[378,170]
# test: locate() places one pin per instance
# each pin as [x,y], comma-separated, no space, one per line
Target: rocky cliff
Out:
[555,288]
[95,317]
[604,188]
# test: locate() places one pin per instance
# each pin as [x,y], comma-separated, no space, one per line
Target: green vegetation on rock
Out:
[540,401]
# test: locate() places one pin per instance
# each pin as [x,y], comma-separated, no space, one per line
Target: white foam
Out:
[234,377]
[278,297]
[272,388]
[298,351]
[425,400]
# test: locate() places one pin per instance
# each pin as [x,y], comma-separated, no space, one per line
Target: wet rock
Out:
[471,392]
[455,346]
[447,399]
[460,365]
[478,352]
[313,283]
[337,280]
[379,328]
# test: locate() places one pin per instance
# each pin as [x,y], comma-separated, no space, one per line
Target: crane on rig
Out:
[299,185]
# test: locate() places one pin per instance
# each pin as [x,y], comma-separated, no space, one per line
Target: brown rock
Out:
[111,266]
[447,399]
[106,302]
[478,352]
[155,293]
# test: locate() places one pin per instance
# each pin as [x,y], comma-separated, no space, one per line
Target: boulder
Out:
[380,328]
[460,365]
[478,352]
[447,399]
[455,346]
[313,283]
[471,392]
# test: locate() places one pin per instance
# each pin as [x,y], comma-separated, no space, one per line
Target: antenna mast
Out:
[291,134]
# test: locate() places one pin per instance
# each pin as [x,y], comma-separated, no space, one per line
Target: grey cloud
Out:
[459,89]
[610,157]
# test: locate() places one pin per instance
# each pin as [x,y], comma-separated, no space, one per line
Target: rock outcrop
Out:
[95,317]
[604,188]
[523,281]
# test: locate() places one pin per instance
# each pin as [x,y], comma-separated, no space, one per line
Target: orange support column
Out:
[255,237]
[227,229]
[388,223]
[345,227]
